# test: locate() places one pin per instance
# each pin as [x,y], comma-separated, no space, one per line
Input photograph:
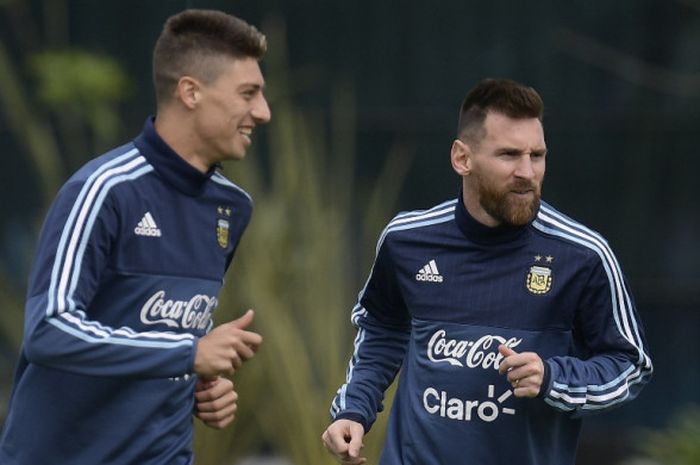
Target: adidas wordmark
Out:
[147,226]
[429,273]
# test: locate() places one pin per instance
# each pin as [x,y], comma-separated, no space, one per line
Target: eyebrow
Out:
[517,151]
[252,85]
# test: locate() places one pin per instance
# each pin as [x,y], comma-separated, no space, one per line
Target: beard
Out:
[506,208]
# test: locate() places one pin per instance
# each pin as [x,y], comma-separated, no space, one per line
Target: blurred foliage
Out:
[295,266]
[72,75]
[680,443]
[82,89]
[11,323]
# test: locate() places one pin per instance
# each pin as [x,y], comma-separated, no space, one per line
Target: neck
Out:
[170,128]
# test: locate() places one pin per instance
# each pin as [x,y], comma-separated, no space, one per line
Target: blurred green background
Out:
[365,97]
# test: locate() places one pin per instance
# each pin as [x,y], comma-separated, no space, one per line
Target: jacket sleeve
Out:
[612,362]
[76,241]
[383,329]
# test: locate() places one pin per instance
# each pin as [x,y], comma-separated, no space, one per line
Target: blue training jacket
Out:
[444,292]
[126,276]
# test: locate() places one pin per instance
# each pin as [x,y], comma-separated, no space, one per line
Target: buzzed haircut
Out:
[504,96]
[193,42]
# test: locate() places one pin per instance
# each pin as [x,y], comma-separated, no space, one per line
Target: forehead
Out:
[239,72]
[502,130]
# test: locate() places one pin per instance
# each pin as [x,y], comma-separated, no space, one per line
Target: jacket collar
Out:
[168,164]
[482,234]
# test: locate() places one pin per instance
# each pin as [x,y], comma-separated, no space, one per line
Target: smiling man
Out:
[509,320]
[119,351]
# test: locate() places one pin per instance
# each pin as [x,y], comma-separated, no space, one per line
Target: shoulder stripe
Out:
[224,181]
[410,213]
[595,242]
[127,158]
[552,223]
[408,220]
[424,219]
[69,257]
[94,211]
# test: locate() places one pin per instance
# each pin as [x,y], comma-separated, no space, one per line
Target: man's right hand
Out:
[226,347]
[343,439]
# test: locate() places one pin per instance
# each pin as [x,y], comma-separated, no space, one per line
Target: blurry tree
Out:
[61,103]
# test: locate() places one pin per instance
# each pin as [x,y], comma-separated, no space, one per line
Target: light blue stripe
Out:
[595,387]
[418,224]
[354,360]
[356,314]
[95,210]
[224,181]
[559,405]
[408,214]
[643,357]
[82,316]
[115,340]
[608,272]
[58,260]
[604,261]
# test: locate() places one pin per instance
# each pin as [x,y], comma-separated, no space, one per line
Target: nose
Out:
[261,110]
[524,168]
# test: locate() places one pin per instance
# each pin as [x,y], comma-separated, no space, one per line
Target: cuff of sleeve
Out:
[353,416]
[546,380]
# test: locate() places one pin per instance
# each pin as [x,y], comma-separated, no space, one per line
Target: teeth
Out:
[246,131]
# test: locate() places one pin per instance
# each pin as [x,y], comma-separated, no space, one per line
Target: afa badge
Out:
[539,279]
[222,227]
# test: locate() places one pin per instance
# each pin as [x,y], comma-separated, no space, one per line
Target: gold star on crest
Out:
[538,258]
[549,258]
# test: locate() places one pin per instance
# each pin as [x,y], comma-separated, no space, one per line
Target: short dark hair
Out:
[191,43]
[504,96]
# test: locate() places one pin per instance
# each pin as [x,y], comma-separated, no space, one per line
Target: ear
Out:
[188,91]
[460,155]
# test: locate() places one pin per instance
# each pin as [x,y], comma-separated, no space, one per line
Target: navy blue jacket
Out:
[129,264]
[444,292]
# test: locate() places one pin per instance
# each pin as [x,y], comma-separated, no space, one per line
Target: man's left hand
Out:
[215,402]
[525,371]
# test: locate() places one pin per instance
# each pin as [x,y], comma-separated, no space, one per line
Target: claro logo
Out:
[442,404]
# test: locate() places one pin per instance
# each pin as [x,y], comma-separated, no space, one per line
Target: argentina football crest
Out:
[223,226]
[539,278]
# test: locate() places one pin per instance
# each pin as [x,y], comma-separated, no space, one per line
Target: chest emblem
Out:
[223,226]
[539,279]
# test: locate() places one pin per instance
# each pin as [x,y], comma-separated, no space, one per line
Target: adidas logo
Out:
[429,273]
[147,226]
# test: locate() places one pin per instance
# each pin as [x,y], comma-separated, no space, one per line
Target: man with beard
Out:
[511,320]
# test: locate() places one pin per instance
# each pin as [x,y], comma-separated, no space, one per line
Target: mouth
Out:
[246,132]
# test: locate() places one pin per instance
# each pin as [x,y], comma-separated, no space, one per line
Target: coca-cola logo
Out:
[186,314]
[482,352]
